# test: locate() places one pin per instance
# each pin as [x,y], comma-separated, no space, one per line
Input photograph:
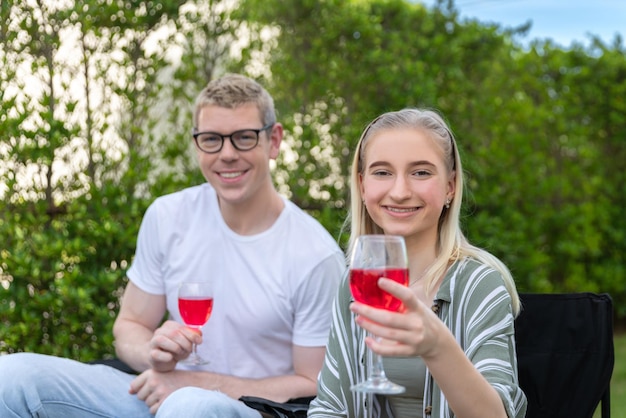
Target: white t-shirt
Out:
[271,290]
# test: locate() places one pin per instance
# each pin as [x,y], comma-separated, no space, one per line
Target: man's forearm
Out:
[132,345]
[278,389]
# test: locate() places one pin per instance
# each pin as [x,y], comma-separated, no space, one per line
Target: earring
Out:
[448,203]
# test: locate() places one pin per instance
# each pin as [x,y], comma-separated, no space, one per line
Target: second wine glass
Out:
[373,257]
[195,304]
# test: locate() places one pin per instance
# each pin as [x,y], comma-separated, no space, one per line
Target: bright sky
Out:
[564,21]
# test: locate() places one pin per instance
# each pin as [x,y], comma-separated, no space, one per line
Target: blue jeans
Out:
[36,385]
[191,402]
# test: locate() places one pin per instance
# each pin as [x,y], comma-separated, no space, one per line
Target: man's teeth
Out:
[231,175]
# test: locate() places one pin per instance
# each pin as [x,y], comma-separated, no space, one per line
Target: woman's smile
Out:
[396,209]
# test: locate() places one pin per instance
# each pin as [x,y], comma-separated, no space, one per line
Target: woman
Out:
[453,346]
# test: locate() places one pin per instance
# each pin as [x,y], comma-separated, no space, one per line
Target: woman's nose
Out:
[400,189]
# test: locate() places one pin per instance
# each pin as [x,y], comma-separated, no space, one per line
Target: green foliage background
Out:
[89,138]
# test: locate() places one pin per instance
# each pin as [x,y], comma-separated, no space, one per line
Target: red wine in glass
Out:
[364,287]
[195,310]
[195,304]
[373,257]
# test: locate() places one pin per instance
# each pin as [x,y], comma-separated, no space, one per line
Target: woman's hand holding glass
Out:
[415,331]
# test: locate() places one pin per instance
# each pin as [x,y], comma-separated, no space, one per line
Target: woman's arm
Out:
[474,367]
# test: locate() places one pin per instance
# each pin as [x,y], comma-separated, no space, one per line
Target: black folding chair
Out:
[565,354]
[116,364]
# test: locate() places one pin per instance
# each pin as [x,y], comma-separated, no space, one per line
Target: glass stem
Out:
[194,349]
[378,372]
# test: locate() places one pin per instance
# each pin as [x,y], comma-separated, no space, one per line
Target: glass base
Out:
[378,385]
[194,360]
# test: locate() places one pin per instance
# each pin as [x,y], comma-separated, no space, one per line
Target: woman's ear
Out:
[451,185]
[361,188]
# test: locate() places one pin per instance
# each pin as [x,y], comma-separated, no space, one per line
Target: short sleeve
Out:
[145,271]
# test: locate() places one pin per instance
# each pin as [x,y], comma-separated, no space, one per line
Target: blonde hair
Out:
[452,244]
[233,90]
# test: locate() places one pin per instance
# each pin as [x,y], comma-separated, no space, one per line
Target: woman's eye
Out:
[422,173]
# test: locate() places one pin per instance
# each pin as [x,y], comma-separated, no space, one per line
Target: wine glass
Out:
[373,257]
[195,304]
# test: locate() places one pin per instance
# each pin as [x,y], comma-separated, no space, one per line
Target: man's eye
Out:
[209,139]
[247,136]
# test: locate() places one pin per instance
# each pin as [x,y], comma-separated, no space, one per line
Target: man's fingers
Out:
[153,402]
[137,384]
[179,343]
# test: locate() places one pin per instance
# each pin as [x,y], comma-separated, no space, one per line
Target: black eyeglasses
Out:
[243,140]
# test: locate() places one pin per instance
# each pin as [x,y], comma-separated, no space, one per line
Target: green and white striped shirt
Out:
[475,306]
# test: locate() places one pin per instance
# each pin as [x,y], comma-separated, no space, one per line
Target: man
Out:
[274,271]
